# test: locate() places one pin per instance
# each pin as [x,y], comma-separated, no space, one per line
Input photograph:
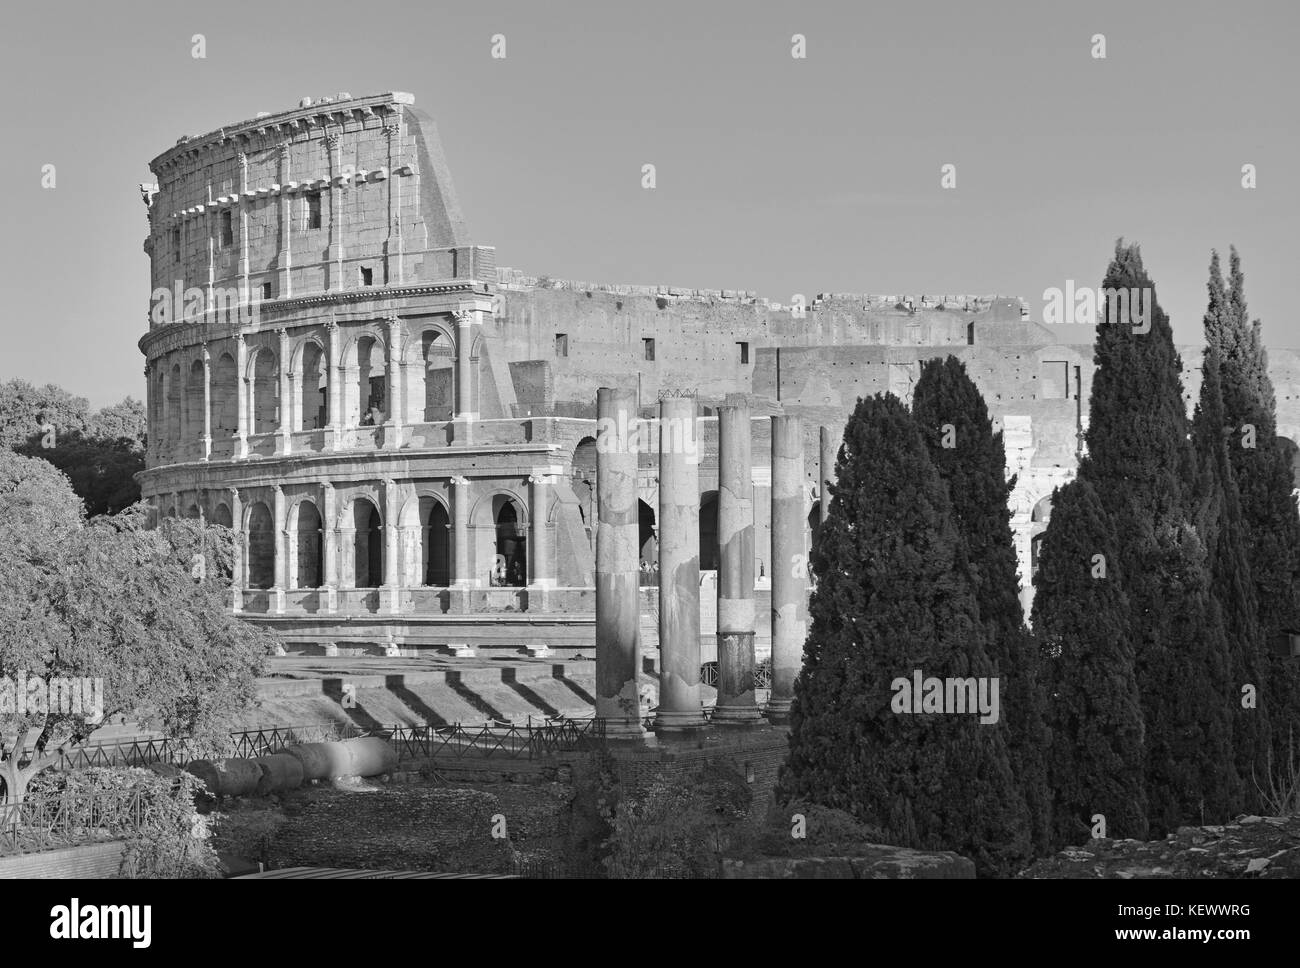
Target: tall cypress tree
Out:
[895,595]
[954,420]
[1262,465]
[1095,762]
[1226,536]
[1141,463]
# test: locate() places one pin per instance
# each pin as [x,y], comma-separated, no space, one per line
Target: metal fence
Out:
[67,818]
[504,740]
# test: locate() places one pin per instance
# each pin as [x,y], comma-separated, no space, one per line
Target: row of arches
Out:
[183,396]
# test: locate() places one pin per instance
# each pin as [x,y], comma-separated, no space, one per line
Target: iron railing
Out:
[42,822]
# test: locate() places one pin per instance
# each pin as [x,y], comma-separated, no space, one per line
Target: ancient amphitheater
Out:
[405,433]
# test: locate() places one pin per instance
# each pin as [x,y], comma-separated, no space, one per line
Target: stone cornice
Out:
[275,314]
[314,116]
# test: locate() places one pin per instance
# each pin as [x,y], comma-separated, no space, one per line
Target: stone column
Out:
[539,534]
[679,567]
[335,255]
[333,387]
[280,529]
[283,443]
[330,547]
[393,384]
[151,421]
[390,595]
[284,260]
[207,403]
[394,250]
[237,525]
[464,374]
[828,452]
[242,204]
[461,579]
[735,566]
[618,618]
[241,389]
[789,576]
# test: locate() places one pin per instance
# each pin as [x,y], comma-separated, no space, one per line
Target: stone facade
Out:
[405,434]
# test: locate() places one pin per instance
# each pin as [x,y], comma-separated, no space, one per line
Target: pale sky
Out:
[774,174]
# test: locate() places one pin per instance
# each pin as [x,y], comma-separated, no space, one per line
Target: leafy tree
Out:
[970,457]
[1080,613]
[141,610]
[894,595]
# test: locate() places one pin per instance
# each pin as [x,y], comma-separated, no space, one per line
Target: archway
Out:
[261,547]
[221,516]
[266,392]
[582,479]
[431,376]
[435,544]
[225,398]
[310,550]
[370,382]
[175,408]
[510,566]
[368,544]
[313,389]
[194,407]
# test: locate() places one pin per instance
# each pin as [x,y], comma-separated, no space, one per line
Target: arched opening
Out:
[815,522]
[1035,546]
[313,383]
[225,398]
[194,413]
[266,393]
[311,542]
[582,479]
[435,544]
[646,533]
[370,381]
[261,547]
[511,564]
[175,405]
[709,531]
[192,512]
[368,545]
[1042,512]
[432,392]
[221,516]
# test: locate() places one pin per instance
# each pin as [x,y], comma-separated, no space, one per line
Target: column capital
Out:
[234,492]
[283,149]
[541,479]
[277,490]
[282,335]
[331,327]
[207,357]
[460,481]
[464,317]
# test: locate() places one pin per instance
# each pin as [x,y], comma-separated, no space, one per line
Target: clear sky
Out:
[775,174]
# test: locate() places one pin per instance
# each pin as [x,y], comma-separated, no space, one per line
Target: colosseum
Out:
[404,433]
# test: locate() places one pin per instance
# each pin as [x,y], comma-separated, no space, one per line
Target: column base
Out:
[458,599]
[738,715]
[778,711]
[392,436]
[331,599]
[625,730]
[331,439]
[277,597]
[389,599]
[673,720]
[283,444]
[241,448]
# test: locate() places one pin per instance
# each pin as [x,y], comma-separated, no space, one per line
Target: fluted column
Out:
[618,605]
[241,390]
[679,567]
[789,575]
[280,530]
[207,403]
[735,566]
[241,545]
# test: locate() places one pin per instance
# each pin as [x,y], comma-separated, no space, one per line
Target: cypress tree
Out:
[1141,463]
[895,595]
[1265,481]
[954,420]
[1094,712]
[1223,526]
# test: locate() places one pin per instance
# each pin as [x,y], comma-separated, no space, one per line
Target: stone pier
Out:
[679,567]
[735,567]
[618,619]
[789,574]
[827,471]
